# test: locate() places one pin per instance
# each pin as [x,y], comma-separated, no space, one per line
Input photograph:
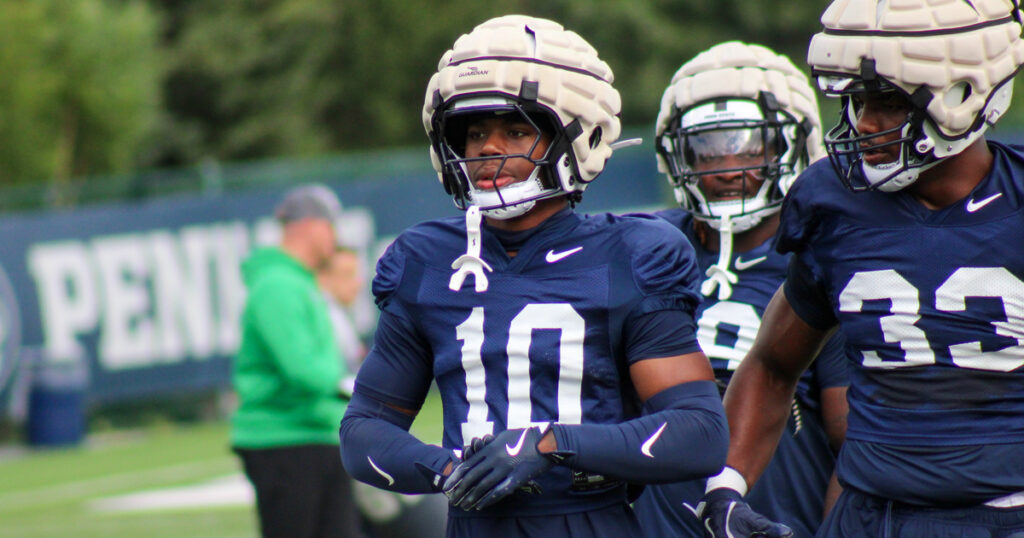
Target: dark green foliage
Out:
[115,86]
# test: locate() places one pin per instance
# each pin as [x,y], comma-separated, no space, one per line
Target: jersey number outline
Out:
[899,326]
[559,316]
[742,315]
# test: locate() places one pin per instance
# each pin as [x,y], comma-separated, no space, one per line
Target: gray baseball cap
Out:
[312,201]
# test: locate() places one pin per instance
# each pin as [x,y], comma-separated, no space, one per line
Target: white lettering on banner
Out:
[156,297]
[181,293]
[68,298]
[128,336]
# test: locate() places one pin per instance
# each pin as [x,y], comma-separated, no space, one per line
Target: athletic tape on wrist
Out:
[728,478]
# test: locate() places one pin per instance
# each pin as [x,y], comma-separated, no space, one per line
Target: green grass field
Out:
[67,492]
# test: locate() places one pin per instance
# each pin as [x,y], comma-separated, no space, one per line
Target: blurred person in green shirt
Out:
[287,375]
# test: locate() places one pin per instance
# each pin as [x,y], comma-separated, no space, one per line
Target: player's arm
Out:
[679,436]
[757,402]
[376,446]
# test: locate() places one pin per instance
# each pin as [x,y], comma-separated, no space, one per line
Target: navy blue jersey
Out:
[793,486]
[548,341]
[931,304]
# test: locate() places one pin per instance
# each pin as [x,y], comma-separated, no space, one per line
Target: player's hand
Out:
[476,445]
[495,469]
[724,514]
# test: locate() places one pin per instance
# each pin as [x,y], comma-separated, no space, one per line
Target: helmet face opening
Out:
[726,156]
[887,158]
[497,153]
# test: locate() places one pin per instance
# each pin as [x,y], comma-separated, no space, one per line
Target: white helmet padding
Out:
[953,61]
[549,74]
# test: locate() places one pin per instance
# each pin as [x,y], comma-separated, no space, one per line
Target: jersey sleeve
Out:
[398,368]
[796,220]
[664,268]
[806,294]
[804,286]
[390,270]
[665,333]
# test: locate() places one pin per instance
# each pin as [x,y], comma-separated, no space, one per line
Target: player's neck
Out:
[710,239]
[951,180]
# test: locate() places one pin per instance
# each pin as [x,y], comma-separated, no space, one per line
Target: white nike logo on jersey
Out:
[973,206]
[391,481]
[742,265]
[645,448]
[514,450]
[552,256]
[690,507]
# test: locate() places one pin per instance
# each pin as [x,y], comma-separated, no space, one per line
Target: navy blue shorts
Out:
[857,514]
[616,521]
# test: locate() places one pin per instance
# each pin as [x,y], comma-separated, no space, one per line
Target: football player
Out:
[909,241]
[563,347]
[737,124]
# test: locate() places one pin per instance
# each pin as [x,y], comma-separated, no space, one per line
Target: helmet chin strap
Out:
[470,263]
[719,275]
[504,203]
[876,174]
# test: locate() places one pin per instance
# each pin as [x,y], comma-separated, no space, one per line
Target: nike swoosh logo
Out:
[514,450]
[973,206]
[742,265]
[690,507]
[552,256]
[391,481]
[645,448]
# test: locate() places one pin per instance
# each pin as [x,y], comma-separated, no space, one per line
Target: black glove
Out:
[725,515]
[495,468]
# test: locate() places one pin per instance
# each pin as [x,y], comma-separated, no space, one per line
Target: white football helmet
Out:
[737,99]
[548,75]
[952,61]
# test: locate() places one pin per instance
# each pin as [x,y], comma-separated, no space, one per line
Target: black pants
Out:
[301,491]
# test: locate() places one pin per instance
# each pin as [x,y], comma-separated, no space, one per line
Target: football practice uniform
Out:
[931,303]
[550,340]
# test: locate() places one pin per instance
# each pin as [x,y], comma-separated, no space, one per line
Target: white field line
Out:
[110,483]
[231,490]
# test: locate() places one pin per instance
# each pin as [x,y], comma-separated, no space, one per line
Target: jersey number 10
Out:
[558,316]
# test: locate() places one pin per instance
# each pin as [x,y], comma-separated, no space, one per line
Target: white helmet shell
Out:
[530,60]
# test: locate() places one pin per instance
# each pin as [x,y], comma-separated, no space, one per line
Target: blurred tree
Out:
[78,91]
[102,86]
[299,77]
